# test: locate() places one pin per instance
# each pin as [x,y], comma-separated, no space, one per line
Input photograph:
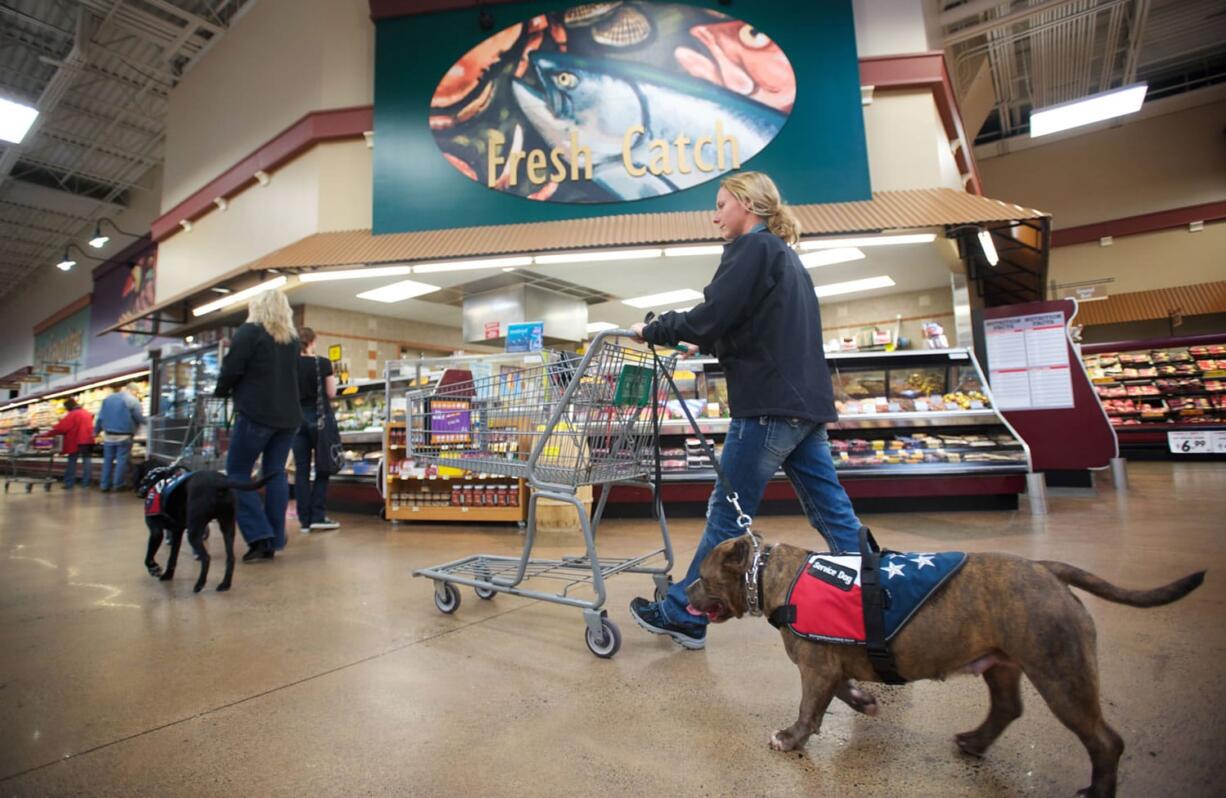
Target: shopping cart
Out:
[197,441]
[571,421]
[26,453]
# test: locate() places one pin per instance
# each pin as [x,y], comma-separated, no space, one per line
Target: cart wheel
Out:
[485,593]
[608,643]
[46,487]
[662,592]
[6,487]
[383,513]
[29,487]
[449,602]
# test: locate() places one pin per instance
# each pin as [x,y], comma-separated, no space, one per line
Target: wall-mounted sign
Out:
[334,352]
[570,110]
[64,343]
[125,291]
[1029,362]
[605,102]
[526,337]
[493,329]
[1084,293]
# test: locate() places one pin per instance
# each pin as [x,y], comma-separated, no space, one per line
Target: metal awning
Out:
[1160,303]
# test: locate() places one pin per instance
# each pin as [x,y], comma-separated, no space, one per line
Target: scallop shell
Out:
[628,27]
[588,13]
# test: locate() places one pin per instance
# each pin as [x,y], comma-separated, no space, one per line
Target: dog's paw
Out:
[223,587]
[167,576]
[971,743]
[862,701]
[198,587]
[785,740]
[154,569]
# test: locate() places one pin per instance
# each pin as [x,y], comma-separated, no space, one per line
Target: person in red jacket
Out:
[78,430]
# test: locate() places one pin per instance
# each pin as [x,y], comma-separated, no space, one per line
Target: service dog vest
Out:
[825,602]
[159,493]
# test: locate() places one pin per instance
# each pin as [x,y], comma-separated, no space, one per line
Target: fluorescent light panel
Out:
[829,257]
[685,252]
[665,298]
[398,292]
[354,274]
[15,120]
[852,286]
[1086,111]
[598,255]
[868,241]
[239,296]
[989,247]
[468,265]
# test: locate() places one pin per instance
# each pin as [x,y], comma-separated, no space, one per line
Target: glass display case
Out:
[360,413]
[1160,386]
[181,377]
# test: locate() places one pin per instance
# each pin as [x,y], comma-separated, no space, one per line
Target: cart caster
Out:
[383,513]
[608,642]
[485,593]
[662,589]
[46,487]
[448,601]
[29,487]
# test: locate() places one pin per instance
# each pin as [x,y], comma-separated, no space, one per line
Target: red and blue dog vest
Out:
[825,602]
[158,494]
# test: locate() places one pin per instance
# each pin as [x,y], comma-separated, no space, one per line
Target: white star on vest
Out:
[894,569]
[924,560]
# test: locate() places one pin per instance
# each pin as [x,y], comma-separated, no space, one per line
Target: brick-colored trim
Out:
[1143,223]
[63,313]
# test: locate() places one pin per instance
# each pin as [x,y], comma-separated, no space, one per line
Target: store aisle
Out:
[329,672]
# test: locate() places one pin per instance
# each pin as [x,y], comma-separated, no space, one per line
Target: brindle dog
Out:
[1000,616]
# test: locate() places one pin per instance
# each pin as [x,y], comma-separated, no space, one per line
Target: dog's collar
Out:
[753,579]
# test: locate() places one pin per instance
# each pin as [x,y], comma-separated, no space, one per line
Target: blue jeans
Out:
[249,440]
[754,450]
[312,498]
[70,471]
[114,463]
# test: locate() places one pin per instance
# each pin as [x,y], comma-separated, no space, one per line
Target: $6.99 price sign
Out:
[1197,442]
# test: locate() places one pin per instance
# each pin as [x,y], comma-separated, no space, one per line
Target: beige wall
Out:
[282,60]
[919,159]
[889,27]
[1152,164]
[845,319]
[1142,262]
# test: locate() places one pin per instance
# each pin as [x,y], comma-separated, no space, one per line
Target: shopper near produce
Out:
[314,373]
[261,372]
[77,427]
[119,419]
[760,317]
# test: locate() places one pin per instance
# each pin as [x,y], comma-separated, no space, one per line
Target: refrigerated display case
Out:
[360,412]
[180,378]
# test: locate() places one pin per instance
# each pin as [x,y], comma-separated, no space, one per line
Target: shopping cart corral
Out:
[27,454]
[568,422]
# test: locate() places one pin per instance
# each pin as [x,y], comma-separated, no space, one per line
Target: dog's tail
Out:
[1075,577]
[259,483]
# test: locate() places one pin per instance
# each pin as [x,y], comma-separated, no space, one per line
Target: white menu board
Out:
[1028,362]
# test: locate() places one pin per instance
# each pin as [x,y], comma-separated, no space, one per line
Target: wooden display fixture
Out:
[431,498]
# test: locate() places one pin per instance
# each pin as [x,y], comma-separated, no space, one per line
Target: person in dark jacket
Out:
[77,427]
[760,317]
[261,373]
[314,375]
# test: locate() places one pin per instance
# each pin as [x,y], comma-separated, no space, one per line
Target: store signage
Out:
[67,341]
[1029,362]
[572,110]
[334,353]
[493,329]
[1084,293]
[124,292]
[527,337]
[1196,442]
[607,102]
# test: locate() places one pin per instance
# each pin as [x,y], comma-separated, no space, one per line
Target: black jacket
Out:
[759,316]
[262,376]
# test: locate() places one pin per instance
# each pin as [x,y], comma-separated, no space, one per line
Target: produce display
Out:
[1174,385]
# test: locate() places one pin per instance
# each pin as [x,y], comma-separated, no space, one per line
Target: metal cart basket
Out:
[198,441]
[570,421]
[24,455]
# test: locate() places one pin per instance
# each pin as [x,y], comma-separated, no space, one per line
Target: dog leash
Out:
[753,576]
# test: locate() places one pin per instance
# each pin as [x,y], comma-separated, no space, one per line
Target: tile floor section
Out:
[329,671]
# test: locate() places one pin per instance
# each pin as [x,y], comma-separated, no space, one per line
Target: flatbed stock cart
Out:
[568,422]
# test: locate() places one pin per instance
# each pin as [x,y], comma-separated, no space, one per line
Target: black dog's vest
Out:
[161,482]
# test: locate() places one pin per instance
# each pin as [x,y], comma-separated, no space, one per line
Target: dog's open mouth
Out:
[715,611]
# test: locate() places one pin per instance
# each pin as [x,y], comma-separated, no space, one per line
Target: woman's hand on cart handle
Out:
[688,349]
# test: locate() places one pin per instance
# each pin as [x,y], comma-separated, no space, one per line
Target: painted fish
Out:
[742,59]
[600,99]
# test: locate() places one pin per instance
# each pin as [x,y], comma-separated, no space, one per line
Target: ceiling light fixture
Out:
[868,241]
[468,265]
[829,257]
[100,239]
[989,247]
[239,296]
[15,120]
[354,274]
[67,262]
[1088,110]
[852,286]
[398,292]
[598,255]
[664,298]
[684,252]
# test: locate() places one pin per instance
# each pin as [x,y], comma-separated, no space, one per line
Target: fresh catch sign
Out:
[614,101]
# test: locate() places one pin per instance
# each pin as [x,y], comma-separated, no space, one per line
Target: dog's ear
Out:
[739,556]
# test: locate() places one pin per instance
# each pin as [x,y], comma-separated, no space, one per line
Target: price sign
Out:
[1190,442]
[1217,440]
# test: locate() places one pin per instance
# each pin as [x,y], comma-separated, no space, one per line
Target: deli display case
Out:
[179,378]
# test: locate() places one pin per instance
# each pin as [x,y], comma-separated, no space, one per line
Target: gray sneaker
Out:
[327,523]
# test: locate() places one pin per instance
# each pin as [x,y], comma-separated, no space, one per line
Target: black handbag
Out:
[329,452]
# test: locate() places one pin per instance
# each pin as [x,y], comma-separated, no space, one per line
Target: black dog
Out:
[202,496]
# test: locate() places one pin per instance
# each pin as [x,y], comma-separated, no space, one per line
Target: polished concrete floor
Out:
[329,671]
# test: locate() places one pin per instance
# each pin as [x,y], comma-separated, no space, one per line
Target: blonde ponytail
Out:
[760,196]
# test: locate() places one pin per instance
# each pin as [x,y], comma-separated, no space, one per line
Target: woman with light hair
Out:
[261,372]
[759,316]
